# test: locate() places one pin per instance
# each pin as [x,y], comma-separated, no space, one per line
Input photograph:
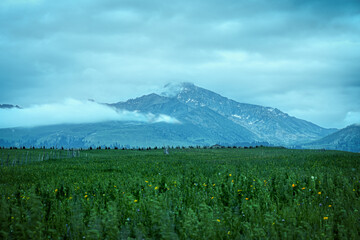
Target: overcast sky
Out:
[302,57]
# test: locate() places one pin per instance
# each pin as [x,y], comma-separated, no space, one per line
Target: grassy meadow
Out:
[260,193]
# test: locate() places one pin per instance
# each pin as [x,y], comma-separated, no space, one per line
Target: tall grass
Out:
[188,194]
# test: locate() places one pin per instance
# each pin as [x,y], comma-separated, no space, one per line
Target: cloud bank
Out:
[73,111]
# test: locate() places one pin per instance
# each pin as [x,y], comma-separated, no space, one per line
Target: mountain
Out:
[204,118]
[207,109]
[8,106]
[346,139]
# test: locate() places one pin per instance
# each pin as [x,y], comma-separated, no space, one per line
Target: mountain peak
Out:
[173,89]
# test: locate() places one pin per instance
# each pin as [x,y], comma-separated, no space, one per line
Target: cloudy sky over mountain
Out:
[302,57]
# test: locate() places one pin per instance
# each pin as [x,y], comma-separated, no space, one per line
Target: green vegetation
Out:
[188,194]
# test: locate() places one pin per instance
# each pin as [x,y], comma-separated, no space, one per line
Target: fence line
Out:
[18,158]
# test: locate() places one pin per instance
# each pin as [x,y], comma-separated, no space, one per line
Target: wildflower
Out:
[232,181]
[146,181]
[293,185]
[212,197]
[326,218]
[330,205]
[214,185]
[230,175]
[273,223]
[218,220]
[135,201]
[86,196]
[156,188]
[56,190]
[114,186]
[229,232]
[246,199]
[319,193]
[251,185]
[303,188]
[70,198]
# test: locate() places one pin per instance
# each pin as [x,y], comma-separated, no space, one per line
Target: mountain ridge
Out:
[205,117]
[346,139]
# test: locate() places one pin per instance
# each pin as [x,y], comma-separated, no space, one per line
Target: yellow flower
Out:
[326,218]
[56,190]
[156,188]
[293,185]
[319,193]
[230,175]
[218,220]
[135,201]
[86,196]
[232,181]
[246,199]
[251,185]
[212,197]
[330,206]
[146,181]
[229,232]
[70,198]
[303,188]
[114,186]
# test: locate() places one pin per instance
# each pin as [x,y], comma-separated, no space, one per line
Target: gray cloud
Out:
[298,56]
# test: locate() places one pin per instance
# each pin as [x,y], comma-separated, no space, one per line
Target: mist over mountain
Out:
[183,115]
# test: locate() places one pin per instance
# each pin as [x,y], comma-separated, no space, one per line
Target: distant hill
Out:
[206,118]
[347,139]
[8,106]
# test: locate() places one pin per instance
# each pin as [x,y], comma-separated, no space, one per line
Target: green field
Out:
[189,194]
